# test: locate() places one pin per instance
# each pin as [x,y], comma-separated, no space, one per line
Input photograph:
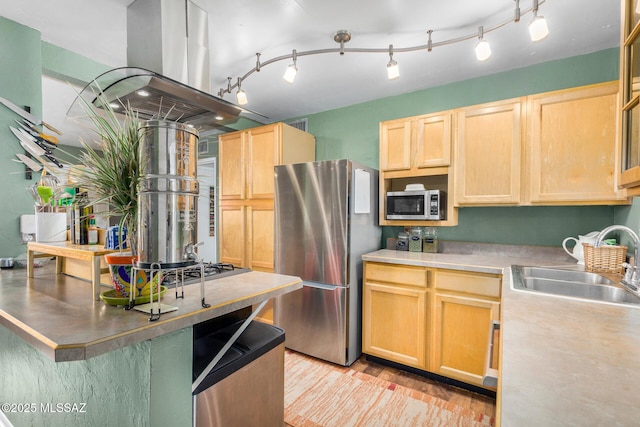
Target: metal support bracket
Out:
[227,346]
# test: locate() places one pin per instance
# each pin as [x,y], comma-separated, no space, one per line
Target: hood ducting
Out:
[168,63]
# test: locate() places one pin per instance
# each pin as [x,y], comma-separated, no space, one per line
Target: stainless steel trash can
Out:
[246,387]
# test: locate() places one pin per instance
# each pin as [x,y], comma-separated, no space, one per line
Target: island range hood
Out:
[167,76]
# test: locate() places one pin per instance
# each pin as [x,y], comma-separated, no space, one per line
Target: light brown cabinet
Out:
[394,313]
[466,304]
[432,319]
[571,143]
[246,186]
[488,153]
[416,143]
[554,148]
[629,106]
[416,150]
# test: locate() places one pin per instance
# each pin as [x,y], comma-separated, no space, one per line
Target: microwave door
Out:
[407,206]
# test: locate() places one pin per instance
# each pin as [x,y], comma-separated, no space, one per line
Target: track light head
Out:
[483,49]
[538,28]
[393,71]
[241,95]
[292,69]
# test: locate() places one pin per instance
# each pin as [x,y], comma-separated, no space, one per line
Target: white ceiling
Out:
[238,29]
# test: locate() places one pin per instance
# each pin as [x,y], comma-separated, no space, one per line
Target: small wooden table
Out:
[91,253]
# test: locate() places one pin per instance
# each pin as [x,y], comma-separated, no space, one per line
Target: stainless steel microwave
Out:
[416,205]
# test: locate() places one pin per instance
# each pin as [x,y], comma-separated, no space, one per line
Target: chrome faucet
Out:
[632,273]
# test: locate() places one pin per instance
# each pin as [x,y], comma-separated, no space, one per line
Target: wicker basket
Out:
[604,259]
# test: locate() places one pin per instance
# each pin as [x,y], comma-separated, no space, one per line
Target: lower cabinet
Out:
[462,336]
[433,319]
[399,333]
[394,314]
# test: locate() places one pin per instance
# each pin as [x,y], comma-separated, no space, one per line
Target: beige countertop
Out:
[57,313]
[564,361]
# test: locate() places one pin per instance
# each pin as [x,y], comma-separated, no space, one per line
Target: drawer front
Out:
[392,273]
[476,283]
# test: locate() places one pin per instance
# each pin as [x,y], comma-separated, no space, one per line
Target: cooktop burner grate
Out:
[192,274]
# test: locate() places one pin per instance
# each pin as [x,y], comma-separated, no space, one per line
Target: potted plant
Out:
[111,170]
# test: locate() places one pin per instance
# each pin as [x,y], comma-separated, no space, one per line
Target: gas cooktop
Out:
[192,273]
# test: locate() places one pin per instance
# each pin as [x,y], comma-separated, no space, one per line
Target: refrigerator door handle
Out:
[324,286]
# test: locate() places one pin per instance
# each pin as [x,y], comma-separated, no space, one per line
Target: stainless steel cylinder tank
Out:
[168,195]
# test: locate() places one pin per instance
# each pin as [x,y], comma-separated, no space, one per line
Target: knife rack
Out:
[28,175]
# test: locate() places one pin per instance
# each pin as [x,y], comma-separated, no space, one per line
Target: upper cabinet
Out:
[629,123]
[553,148]
[417,150]
[247,159]
[488,153]
[416,143]
[571,146]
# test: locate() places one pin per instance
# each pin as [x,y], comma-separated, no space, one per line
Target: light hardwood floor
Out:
[459,396]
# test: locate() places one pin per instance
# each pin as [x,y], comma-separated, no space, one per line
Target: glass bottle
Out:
[403,241]
[430,240]
[93,231]
[82,213]
[415,240]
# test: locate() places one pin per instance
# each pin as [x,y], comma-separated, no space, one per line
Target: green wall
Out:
[352,132]
[20,83]
[145,384]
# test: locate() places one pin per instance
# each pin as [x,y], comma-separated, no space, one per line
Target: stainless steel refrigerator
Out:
[325,219]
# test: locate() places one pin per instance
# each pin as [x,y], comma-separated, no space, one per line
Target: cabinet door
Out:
[232,235]
[232,166]
[488,154]
[630,98]
[260,232]
[395,323]
[462,336]
[433,140]
[262,152]
[395,145]
[572,142]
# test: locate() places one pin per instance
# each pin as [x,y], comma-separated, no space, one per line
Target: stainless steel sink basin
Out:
[577,284]
[567,275]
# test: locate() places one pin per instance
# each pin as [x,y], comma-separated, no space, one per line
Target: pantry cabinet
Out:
[394,313]
[466,305]
[246,187]
[488,153]
[436,320]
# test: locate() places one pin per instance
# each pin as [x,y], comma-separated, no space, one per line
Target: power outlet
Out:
[28,237]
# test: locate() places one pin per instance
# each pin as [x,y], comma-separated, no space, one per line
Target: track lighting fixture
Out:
[393,72]
[241,95]
[292,69]
[538,30]
[483,50]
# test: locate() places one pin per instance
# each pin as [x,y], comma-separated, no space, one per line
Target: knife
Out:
[39,142]
[33,148]
[34,166]
[29,141]
[33,119]
[33,131]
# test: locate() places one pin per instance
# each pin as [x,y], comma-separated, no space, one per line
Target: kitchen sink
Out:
[566,275]
[571,283]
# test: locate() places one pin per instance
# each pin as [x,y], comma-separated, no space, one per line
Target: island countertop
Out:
[564,361]
[56,313]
